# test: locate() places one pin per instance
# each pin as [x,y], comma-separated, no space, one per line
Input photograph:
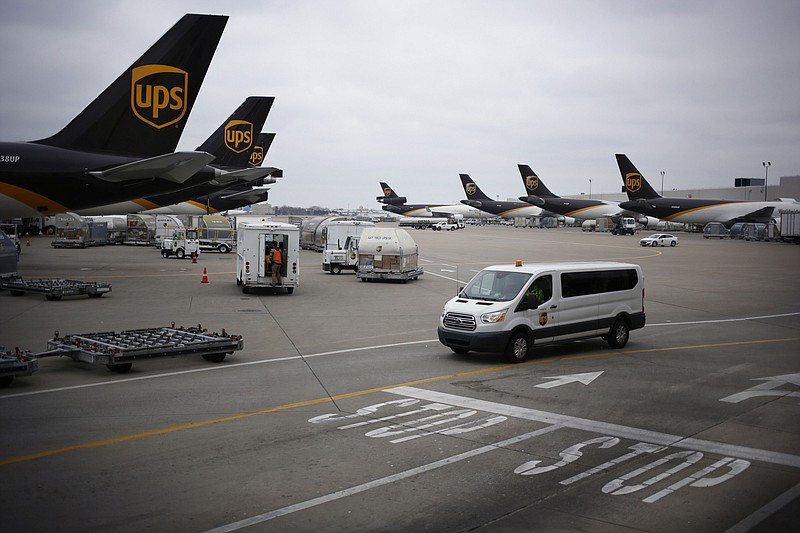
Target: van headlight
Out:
[496,316]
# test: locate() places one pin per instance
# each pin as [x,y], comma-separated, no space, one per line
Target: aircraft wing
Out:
[177,167]
[445,210]
[245,175]
[763,215]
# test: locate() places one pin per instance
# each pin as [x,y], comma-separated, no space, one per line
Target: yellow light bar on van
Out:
[518,263]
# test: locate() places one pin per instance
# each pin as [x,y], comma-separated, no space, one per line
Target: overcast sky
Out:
[415,92]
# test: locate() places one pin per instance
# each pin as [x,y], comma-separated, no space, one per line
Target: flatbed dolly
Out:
[118,350]
[55,289]
[402,277]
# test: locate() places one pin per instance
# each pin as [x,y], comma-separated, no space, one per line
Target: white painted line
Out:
[720,320]
[321,354]
[440,276]
[379,482]
[216,368]
[605,428]
[765,512]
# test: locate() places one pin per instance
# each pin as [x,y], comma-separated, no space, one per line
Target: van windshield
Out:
[495,285]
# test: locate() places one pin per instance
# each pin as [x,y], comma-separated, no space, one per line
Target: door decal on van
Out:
[542,318]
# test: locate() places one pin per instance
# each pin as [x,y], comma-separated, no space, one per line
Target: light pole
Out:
[766,166]
[590,188]
[662,182]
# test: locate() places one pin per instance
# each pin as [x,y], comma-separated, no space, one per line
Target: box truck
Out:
[254,242]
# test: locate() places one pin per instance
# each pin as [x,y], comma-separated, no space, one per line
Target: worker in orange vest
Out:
[276,261]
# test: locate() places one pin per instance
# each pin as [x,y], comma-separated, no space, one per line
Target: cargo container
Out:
[790,226]
[387,253]
[71,232]
[141,229]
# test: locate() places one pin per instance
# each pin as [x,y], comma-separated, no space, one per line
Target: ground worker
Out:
[276,260]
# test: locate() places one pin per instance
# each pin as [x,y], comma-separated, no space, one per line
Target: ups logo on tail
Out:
[532,183]
[633,182]
[158,94]
[471,188]
[239,135]
[387,191]
[256,156]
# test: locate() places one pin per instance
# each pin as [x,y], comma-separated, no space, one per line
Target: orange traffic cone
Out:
[205,276]
[28,242]
[194,257]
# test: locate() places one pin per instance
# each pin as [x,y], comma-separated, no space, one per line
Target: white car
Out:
[659,239]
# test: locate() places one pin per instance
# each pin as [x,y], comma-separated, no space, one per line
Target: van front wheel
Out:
[618,334]
[518,346]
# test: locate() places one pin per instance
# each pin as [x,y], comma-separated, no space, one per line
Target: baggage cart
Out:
[118,350]
[16,363]
[55,289]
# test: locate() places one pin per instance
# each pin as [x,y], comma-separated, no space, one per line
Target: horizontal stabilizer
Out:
[392,200]
[244,175]
[639,205]
[255,192]
[532,199]
[177,167]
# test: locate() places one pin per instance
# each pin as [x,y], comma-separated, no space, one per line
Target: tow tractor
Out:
[54,289]
[183,243]
[118,350]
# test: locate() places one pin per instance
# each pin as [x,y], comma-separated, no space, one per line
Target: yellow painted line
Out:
[306,403]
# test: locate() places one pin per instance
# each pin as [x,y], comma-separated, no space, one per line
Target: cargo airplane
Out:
[476,198]
[642,198]
[232,145]
[580,209]
[397,205]
[122,145]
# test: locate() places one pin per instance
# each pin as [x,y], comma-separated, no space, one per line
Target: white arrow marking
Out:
[585,378]
[767,389]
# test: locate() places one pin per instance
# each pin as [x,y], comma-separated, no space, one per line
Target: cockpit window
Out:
[495,285]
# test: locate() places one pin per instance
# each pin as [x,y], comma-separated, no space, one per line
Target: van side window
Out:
[583,283]
[541,288]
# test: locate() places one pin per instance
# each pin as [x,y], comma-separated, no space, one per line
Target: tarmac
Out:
[344,412]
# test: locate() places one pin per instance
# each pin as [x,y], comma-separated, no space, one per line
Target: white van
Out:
[509,308]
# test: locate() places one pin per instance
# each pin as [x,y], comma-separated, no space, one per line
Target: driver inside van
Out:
[540,290]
